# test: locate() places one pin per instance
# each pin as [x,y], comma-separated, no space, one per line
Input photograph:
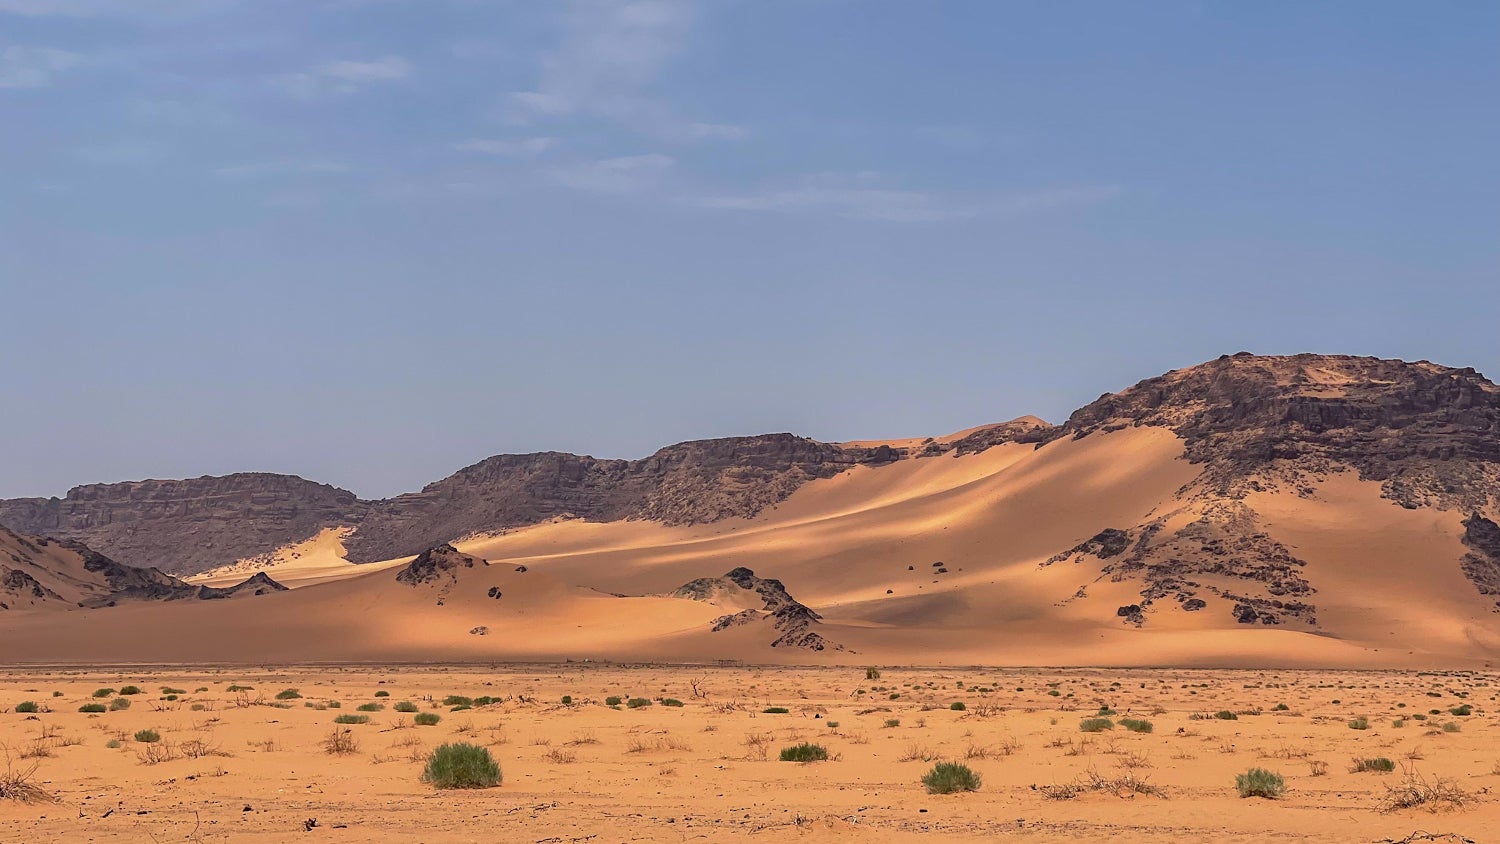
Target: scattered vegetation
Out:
[1096,725]
[1259,782]
[804,752]
[461,765]
[950,778]
[1136,725]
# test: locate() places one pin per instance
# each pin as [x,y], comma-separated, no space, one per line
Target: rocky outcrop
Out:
[259,583]
[1482,564]
[440,562]
[688,483]
[187,526]
[1430,434]
[792,620]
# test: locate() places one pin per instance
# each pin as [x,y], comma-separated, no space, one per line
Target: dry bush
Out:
[979,751]
[340,741]
[39,748]
[582,737]
[1416,791]
[17,782]
[559,756]
[198,748]
[861,737]
[157,752]
[1317,767]
[757,745]
[1122,784]
[917,753]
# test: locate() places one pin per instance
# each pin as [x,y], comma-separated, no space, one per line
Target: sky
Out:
[370,242]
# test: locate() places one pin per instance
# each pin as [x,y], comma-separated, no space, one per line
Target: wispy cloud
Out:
[611,53]
[615,175]
[342,77]
[33,67]
[859,196]
[517,146]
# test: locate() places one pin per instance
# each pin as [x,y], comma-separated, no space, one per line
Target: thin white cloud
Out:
[625,174]
[520,146]
[33,67]
[857,196]
[341,77]
[611,54]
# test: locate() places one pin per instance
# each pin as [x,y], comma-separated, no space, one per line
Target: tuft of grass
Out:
[613,700]
[461,765]
[1359,724]
[288,694]
[776,710]
[1259,782]
[637,703]
[1226,715]
[147,736]
[458,700]
[28,706]
[1136,725]
[1096,725]
[892,723]
[347,718]
[950,778]
[369,707]
[382,693]
[804,752]
[1451,727]
[405,706]
[92,707]
[104,692]
[670,701]
[130,690]
[426,719]
[339,742]
[118,704]
[113,744]
[957,706]
[1379,763]
[872,673]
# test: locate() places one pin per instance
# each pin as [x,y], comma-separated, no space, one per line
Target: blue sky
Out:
[372,241]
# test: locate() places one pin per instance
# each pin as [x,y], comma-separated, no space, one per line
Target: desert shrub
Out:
[458,700]
[1136,725]
[1105,710]
[1415,791]
[1281,707]
[92,707]
[804,752]
[1096,725]
[340,742]
[461,766]
[234,687]
[130,690]
[1258,782]
[892,723]
[613,700]
[334,704]
[1451,727]
[382,693]
[118,703]
[1359,724]
[1226,715]
[347,718]
[872,673]
[113,744]
[147,736]
[1054,693]
[18,783]
[670,701]
[104,692]
[1465,709]
[950,778]
[1379,763]
[170,697]
[288,694]
[776,710]
[405,706]
[168,690]
[426,719]
[957,706]
[28,706]
[637,703]
[833,725]
[567,700]
[369,707]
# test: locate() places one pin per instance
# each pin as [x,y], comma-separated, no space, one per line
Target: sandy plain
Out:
[245,766]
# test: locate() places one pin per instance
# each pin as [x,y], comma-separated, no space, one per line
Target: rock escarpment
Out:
[792,620]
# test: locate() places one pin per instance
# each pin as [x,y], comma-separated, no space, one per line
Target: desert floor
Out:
[244,766]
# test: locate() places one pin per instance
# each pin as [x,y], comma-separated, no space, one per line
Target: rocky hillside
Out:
[187,526]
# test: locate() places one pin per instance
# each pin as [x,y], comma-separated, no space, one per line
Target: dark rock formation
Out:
[259,583]
[790,618]
[1429,433]
[1106,543]
[1482,563]
[187,526]
[439,562]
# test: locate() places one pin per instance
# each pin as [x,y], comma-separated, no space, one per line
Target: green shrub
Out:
[333,704]
[288,694]
[118,703]
[1359,724]
[1136,725]
[1258,782]
[567,700]
[804,752]
[833,725]
[637,703]
[28,706]
[233,687]
[130,690]
[1226,715]
[613,700]
[1096,725]
[347,718]
[872,673]
[168,690]
[957,706]
[776,710]
[92,707]
[369,707]
[170,697]
[950,778]
[1379,763]
[1281,707]
[405,706]
[1461,710]
[670,701]
[1451,727]
[426,719]
[458,700]
[461,766]
[1105,710]
[104,692]
[147,736]
[1054,693]
[892,723]
[382,693]
[112,744]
